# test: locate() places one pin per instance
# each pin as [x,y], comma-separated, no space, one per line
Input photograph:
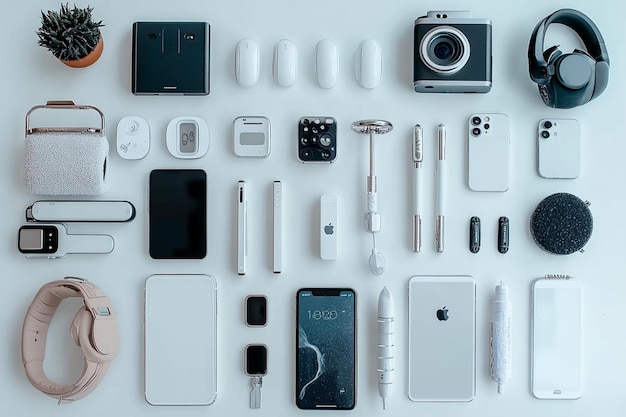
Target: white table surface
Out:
[32,76]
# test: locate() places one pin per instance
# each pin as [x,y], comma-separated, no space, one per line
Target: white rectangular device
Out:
[328,227]
[442,338]
[488,152]
[180,339]
[556,338]
[559,148]
[80,211]
[251,136]
[277,202]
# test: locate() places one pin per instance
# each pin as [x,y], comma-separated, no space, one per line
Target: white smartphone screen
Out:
[557,339]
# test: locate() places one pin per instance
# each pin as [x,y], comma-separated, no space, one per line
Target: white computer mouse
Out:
[369,64]
[326,63]
[247,62]
[285,65]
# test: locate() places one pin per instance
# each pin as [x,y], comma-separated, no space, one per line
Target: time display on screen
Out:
[322,314]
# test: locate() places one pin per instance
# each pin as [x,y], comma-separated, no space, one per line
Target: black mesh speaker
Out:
[561,224]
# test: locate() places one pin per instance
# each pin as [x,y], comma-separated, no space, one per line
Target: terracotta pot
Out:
[89,58]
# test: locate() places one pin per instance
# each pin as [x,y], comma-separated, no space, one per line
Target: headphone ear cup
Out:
[601,77]
[81,321]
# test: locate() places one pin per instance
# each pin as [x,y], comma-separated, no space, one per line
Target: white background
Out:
[32,76]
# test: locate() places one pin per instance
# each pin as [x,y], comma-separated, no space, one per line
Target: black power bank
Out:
[171,58]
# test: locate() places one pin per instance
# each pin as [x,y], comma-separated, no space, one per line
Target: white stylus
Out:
[441,188]
[242,228]
[384,358]
[501,358]
[277,199]
[417,187]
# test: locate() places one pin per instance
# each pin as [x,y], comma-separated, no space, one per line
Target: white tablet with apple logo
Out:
[442,338]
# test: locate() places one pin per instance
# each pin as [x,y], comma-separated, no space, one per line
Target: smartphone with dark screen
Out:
[178,214]
[326,349]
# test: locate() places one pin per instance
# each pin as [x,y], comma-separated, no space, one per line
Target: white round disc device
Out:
[187,137]
[133,137]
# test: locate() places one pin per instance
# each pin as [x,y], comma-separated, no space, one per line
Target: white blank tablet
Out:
[442,336]
[180,340]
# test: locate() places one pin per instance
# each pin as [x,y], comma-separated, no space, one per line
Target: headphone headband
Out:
[101,337]
[575,20]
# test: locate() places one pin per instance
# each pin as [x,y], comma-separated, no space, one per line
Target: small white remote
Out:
[133,138]
[328,227]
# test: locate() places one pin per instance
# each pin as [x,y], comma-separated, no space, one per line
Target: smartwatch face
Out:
[256,360]
[256,311]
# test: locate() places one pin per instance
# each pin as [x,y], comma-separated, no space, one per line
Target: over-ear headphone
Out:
[93,328]
[569,80]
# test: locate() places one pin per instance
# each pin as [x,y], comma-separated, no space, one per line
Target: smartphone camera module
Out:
[549,129]
[317,139]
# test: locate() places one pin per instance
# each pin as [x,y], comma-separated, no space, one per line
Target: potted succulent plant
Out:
[71,35]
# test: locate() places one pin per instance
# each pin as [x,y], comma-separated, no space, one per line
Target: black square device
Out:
[171,58]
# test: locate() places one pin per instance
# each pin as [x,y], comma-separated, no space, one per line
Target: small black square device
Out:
[451,53]
[317,139]
[256,310]
[171,58]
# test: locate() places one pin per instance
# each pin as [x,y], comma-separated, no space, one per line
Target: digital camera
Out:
[451,53]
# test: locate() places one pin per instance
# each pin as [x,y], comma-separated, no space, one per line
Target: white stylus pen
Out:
[384,358]
[277,199]
[418,157]
[242,228]
[501,358]
[441,188]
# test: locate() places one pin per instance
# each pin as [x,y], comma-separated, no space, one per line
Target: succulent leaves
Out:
[70,33]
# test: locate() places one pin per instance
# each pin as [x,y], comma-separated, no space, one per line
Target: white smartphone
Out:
[489,141]
[180,340]
[442,338]
[559,148]
[556,338]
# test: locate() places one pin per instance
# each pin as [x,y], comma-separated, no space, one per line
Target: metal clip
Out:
[255,392]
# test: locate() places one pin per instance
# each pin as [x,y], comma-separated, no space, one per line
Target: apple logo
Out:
[442,314]
[329,229]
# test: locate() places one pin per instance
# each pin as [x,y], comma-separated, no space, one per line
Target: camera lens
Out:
[326,154]
[475,131]
[487,126]
[547,124]
[304,140]
[306,154]
[476,120]
[545,134]
[325,140]
[445,49]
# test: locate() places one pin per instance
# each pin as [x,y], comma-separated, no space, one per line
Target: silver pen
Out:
[441,182]
[418,157]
